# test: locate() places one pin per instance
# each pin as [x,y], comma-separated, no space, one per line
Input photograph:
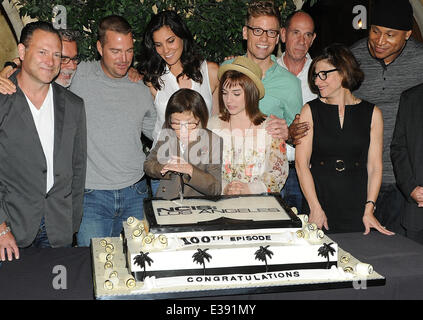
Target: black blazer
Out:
[23,168]
[407,153]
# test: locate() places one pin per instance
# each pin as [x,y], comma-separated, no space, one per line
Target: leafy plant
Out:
[215,24]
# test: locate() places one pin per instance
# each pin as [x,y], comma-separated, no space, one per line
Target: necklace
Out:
[230,127]
[234,147]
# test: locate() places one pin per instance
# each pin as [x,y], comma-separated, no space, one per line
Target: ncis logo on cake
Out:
[182,210]
[224,210]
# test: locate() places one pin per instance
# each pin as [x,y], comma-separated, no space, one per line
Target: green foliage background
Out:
[215,24]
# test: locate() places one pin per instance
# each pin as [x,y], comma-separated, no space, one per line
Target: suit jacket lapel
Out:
[22,107]
[59,114]
[21,104]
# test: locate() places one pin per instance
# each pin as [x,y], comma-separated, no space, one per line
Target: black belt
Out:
[339,165]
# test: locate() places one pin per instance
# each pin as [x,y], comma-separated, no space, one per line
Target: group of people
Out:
[315,130]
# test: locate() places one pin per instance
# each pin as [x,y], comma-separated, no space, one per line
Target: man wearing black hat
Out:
[392,63]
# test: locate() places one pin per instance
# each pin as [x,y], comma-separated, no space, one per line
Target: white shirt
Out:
[44,123]
[303,76]
[170,86]
[305,89]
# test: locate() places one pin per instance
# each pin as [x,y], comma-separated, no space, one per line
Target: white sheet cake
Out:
[233,242]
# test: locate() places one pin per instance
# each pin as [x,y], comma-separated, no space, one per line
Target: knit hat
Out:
[393,14]
[248,67]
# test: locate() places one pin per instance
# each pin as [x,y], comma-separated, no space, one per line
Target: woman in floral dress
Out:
[253,161]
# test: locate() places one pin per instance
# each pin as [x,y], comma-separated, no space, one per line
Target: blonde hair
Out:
[262,8]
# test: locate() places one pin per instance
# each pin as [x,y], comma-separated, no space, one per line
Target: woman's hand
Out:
[370,221]
[133,75]
[236,187]
[318,217]
[177,164]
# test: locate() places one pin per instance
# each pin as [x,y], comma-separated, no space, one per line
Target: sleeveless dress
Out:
[339,162]
[170,86]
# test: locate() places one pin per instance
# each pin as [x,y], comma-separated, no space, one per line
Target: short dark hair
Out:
[342,59]
[187,100]
[69,35]
[30,28]
[263,8]
[112,23]
[232,78]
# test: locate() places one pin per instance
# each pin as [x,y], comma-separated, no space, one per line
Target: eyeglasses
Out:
[323,75]
[259,31]
[66,60]
[188,125]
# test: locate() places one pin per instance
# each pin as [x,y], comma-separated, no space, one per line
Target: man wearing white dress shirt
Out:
[298,35]
[42,150]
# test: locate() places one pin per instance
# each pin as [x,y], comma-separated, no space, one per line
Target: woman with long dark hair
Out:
[170,61]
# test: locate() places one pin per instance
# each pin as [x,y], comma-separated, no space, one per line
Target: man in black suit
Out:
[42,150]
[407,159]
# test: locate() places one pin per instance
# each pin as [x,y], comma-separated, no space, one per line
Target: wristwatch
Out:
[10,63]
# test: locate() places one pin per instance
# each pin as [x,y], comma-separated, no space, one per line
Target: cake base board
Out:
[124,293]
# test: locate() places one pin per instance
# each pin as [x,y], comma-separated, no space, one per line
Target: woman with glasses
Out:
[253,161]
[339,162]
[187,156]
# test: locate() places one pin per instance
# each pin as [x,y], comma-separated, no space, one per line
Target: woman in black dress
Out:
[339,161]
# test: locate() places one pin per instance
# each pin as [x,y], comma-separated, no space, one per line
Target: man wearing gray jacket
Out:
[42,150]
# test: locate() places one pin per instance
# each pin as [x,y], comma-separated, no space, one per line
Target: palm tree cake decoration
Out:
[262,254]
[200,256]
[325,250]
[141,260]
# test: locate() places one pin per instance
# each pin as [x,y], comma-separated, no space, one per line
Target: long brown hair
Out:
[232,78]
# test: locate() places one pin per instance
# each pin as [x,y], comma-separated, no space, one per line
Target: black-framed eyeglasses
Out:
[188,125]
[323,75]
[66,59]
[259,31]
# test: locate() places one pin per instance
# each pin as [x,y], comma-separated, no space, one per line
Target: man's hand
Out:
[8,71]
[8,246]
[297,130]
[277,128]
[417,195]
[133,75]
[7,86]
[229,58]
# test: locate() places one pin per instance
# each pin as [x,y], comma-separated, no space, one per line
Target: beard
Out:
[65,78]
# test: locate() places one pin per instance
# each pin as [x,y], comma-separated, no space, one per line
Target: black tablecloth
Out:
[39,272]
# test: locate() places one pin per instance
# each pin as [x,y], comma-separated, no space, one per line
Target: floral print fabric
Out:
[254,158]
